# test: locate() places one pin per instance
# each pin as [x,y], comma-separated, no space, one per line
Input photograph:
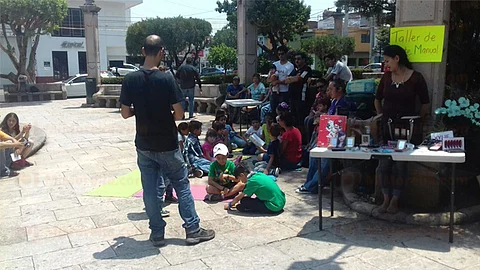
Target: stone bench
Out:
[35,96]
[108,96]
[35,92]
[107,101]
[205,105]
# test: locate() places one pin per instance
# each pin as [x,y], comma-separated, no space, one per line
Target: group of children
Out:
[227,178]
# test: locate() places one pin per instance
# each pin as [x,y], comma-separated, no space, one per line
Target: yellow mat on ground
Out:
[124,186]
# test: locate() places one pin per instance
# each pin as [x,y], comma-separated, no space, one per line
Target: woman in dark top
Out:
[398,89]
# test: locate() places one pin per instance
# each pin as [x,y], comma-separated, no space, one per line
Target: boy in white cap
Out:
[221,182]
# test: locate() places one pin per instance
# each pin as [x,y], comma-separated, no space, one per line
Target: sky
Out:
[204,9]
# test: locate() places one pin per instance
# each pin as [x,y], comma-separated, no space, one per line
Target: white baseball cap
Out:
[220,149]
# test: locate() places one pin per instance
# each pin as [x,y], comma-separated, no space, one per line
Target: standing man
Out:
[187,74]
[297,89]
[149,94]
[337,69]
[284,68]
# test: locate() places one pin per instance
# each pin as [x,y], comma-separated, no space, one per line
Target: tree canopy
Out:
[223,56]
[278,20]
[180,35]
[227,36]
[25,21]
[230,8]
[383,39]
[382,10]
[324,45]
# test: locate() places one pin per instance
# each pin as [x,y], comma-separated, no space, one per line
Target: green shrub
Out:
[357,73]
[218,79]
[113,80]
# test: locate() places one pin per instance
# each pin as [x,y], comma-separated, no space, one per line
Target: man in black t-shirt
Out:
[188,75]
[148,94]
[298,87]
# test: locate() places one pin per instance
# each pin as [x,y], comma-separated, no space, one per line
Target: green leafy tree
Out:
[223,56]
[24,21]
[230,8]
[324,45]
[227,36]
[180,35]
[382,10]
[383,39]
[278,20]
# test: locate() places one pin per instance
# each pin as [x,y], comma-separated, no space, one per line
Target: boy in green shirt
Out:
[270,199]
[221,182]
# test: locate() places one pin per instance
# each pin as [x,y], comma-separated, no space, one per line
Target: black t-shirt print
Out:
[152,93]
[298,90]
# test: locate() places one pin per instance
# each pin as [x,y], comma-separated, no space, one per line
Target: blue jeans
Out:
[264,110]
[238,141]
[202,164]
[154,168]
[312,177]
[190,94]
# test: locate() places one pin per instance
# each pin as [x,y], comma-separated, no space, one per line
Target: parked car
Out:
[375,67]
[76,86]
[211,71]
[124,69]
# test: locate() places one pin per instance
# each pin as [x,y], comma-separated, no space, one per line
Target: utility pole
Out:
[372,39]
[90,15]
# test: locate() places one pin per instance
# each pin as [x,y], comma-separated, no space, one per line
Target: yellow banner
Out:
[422,43]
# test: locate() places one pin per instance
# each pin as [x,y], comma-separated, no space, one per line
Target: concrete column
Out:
[90,15]
[418,13]
[338,19]
[247,43]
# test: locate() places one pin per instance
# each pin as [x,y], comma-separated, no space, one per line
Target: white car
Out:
[76,86]
[123,70]
[375,67]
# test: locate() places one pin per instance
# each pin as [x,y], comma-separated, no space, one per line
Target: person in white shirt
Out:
[284,68]
[256,129]
[337,69]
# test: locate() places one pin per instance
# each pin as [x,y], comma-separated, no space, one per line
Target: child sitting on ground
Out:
[269,160]
[265,129]
[221,182]
[11,126]
[234,139]
[210,141]
[222,133]
[270,199]
[291,143]
[251,148]
[200,165]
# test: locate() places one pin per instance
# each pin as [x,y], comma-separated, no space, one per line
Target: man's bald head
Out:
[152,45]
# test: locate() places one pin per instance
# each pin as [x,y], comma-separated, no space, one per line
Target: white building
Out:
[62,54]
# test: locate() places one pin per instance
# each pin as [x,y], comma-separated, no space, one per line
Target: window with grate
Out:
[72,25]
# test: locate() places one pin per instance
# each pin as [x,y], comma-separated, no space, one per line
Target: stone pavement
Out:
[47,223]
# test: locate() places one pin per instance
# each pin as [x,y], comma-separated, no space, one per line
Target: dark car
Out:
[211,71]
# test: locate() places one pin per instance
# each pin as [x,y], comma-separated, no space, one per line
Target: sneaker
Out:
[165,213]
[275,172]
[302,190]
[198,173]
[171,199]
[157,241]
[234,145]
[201,235]
[213,197]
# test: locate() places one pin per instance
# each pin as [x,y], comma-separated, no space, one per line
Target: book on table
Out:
[332,127]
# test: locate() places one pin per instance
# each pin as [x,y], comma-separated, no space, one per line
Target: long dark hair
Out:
[4,124]
[395,50]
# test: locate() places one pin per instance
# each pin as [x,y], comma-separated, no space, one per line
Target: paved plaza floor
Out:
[46,222]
